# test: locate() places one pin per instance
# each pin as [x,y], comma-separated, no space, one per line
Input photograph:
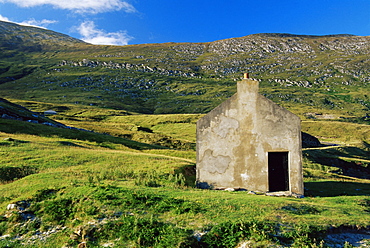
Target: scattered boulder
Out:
[230,189]
[50,112]
[20,208]
[12,206]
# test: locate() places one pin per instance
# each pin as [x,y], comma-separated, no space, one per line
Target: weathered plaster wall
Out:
[233,141]
[282,132]
[219,132]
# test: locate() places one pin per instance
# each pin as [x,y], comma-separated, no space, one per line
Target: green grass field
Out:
[127,189]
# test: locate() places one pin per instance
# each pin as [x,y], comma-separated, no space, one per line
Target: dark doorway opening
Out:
[278,171]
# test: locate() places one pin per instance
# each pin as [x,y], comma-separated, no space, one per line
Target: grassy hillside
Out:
[325,75]
[71,186]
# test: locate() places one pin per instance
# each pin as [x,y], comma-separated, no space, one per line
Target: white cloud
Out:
[95,36]
[4,19]
[40,24]
[82,6]
[31,22]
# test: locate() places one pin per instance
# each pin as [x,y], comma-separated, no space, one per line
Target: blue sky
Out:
[121,22]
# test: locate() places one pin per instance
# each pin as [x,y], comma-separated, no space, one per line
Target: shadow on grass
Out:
[11,173]
[15,126]
[12,142]
[333,188]
[332,157]
[189,172]
[67,143]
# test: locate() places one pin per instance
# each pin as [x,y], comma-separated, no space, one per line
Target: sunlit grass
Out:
[338,132]
[99,177]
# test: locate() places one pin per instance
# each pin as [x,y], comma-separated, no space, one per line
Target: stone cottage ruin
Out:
[249,142]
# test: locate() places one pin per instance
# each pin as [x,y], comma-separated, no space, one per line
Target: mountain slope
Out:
[19,44]
[309,75]
[32,38]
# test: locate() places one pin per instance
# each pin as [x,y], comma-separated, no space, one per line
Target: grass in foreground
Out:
[76,189]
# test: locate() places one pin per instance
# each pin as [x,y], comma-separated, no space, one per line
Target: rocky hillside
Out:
[289,60]
[311,75]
